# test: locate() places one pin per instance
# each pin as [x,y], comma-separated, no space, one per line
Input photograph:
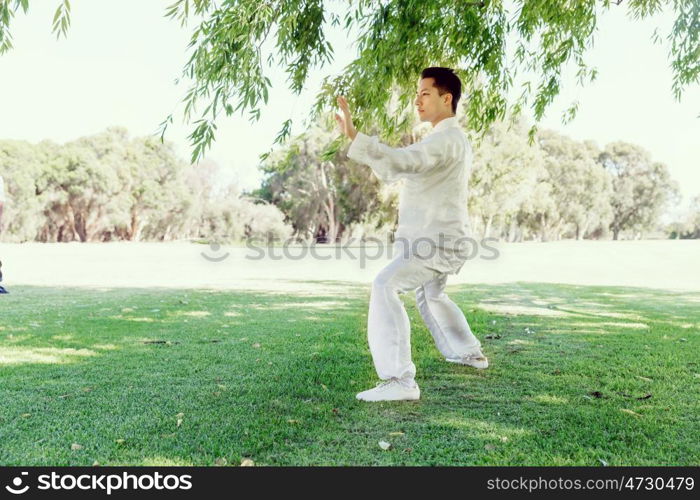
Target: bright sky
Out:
[121,57]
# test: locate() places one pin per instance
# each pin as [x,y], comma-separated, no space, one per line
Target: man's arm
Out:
[391,163]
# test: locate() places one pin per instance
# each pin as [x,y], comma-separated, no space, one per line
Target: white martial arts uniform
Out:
[432,220]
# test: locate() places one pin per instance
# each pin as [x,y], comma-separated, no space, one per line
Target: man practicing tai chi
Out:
[432,209]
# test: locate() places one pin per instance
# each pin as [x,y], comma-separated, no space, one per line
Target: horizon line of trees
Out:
[109,186]
[555,188]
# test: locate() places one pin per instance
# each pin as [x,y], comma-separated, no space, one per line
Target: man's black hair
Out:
[446,80]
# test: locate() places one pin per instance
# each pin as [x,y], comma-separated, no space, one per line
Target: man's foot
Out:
[391,390]
[477,360]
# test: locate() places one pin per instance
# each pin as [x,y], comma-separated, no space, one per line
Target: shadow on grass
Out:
[155,376]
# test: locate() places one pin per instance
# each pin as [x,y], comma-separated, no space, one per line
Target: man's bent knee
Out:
[383,282]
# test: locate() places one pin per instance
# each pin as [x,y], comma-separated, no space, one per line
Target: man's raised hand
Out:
[345,122]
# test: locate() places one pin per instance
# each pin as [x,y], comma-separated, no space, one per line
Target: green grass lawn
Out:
[579,376]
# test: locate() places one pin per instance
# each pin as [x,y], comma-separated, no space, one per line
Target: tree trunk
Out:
[328,205]
[134,227]
[512,231]
[487,227]
[584,229]
[340,230]
[79,225]
[557,230]
[543,227]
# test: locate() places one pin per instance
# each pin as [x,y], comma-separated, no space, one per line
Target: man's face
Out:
[429,102]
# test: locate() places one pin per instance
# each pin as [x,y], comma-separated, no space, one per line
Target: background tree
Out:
[110,186]
[694,219]
[685,225]
[321,196]
[536,212]
[80,190]
[155,189]
[395,40]
[20,164]
[641,187]
[581,187]
[227,215]
[504,173]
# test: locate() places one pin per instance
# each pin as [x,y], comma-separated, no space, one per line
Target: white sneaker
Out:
[477,360]
[391,390]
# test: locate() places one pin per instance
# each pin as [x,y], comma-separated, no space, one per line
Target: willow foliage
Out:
[396,39]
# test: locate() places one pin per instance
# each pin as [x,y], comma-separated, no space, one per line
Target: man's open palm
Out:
[345,122]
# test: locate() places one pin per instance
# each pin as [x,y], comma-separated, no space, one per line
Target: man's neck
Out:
[438,120]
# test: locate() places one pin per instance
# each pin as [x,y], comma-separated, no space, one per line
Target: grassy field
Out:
[580,375]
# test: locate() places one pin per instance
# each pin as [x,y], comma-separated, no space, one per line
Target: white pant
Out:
[388,327]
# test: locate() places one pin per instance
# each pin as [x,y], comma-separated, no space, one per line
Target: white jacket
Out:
[433,199]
